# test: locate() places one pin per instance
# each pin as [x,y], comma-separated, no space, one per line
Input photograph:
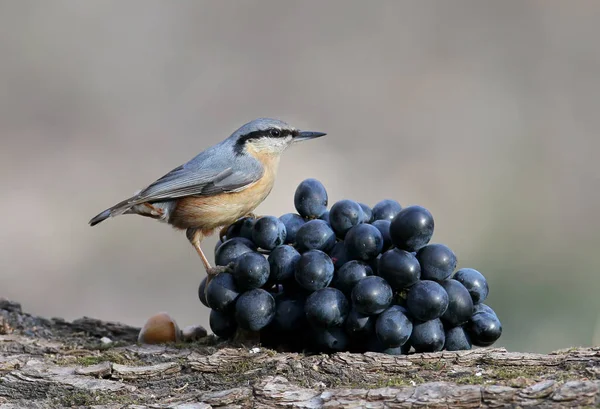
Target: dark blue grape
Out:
[202,292]
[367,216]
[373,344]
[325,217]
[254,309]
[457,340]
[241,228]
[483,308]
[349,274]
[344,215]
[217,245]
[315,234]
[384,228]
[412,228]
[484,329]
[282,262]
[386,210]
[460,304]
[399,268]
[428,336]
[222,324]
[244,241]
[332,339]
[371,295]
[310,198]
[269,232]
[437,262]
[292,223]
[251,271]
[363,242]
[289,314]
[339,255]
[231,249]
[358,325]
[393,327]
[327,307]
[427,300]
[314,270]
[474,282]
[222,292]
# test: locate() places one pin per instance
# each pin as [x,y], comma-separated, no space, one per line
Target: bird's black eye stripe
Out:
[239,145]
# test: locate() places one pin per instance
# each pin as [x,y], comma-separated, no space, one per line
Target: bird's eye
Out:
[275,132]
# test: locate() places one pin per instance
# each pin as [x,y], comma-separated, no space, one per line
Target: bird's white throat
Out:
[270,145]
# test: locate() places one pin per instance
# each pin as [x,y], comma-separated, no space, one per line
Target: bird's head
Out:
[269,136]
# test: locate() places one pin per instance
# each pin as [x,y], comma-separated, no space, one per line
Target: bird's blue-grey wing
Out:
[202,176]
[216,170]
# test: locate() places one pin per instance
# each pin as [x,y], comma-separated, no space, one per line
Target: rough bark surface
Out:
[52,363]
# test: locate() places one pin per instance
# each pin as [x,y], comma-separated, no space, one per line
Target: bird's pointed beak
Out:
[306,135]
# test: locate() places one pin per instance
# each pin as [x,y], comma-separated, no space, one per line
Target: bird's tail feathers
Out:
[116,210]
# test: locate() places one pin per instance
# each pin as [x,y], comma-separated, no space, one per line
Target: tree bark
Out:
[52,363]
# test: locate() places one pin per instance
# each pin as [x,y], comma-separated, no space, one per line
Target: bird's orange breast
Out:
[210,212]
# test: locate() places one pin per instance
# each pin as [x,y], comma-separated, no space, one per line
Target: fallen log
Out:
[51,363]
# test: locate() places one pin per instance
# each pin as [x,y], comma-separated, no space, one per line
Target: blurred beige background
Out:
[484,112]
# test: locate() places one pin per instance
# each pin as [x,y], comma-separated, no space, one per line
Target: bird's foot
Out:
[212,272]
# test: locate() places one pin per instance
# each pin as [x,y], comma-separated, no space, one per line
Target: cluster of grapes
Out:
[350,278]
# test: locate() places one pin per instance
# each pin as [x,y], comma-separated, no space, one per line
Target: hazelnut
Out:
[161,328]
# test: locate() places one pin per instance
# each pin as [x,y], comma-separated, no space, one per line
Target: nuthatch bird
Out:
[218,186]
